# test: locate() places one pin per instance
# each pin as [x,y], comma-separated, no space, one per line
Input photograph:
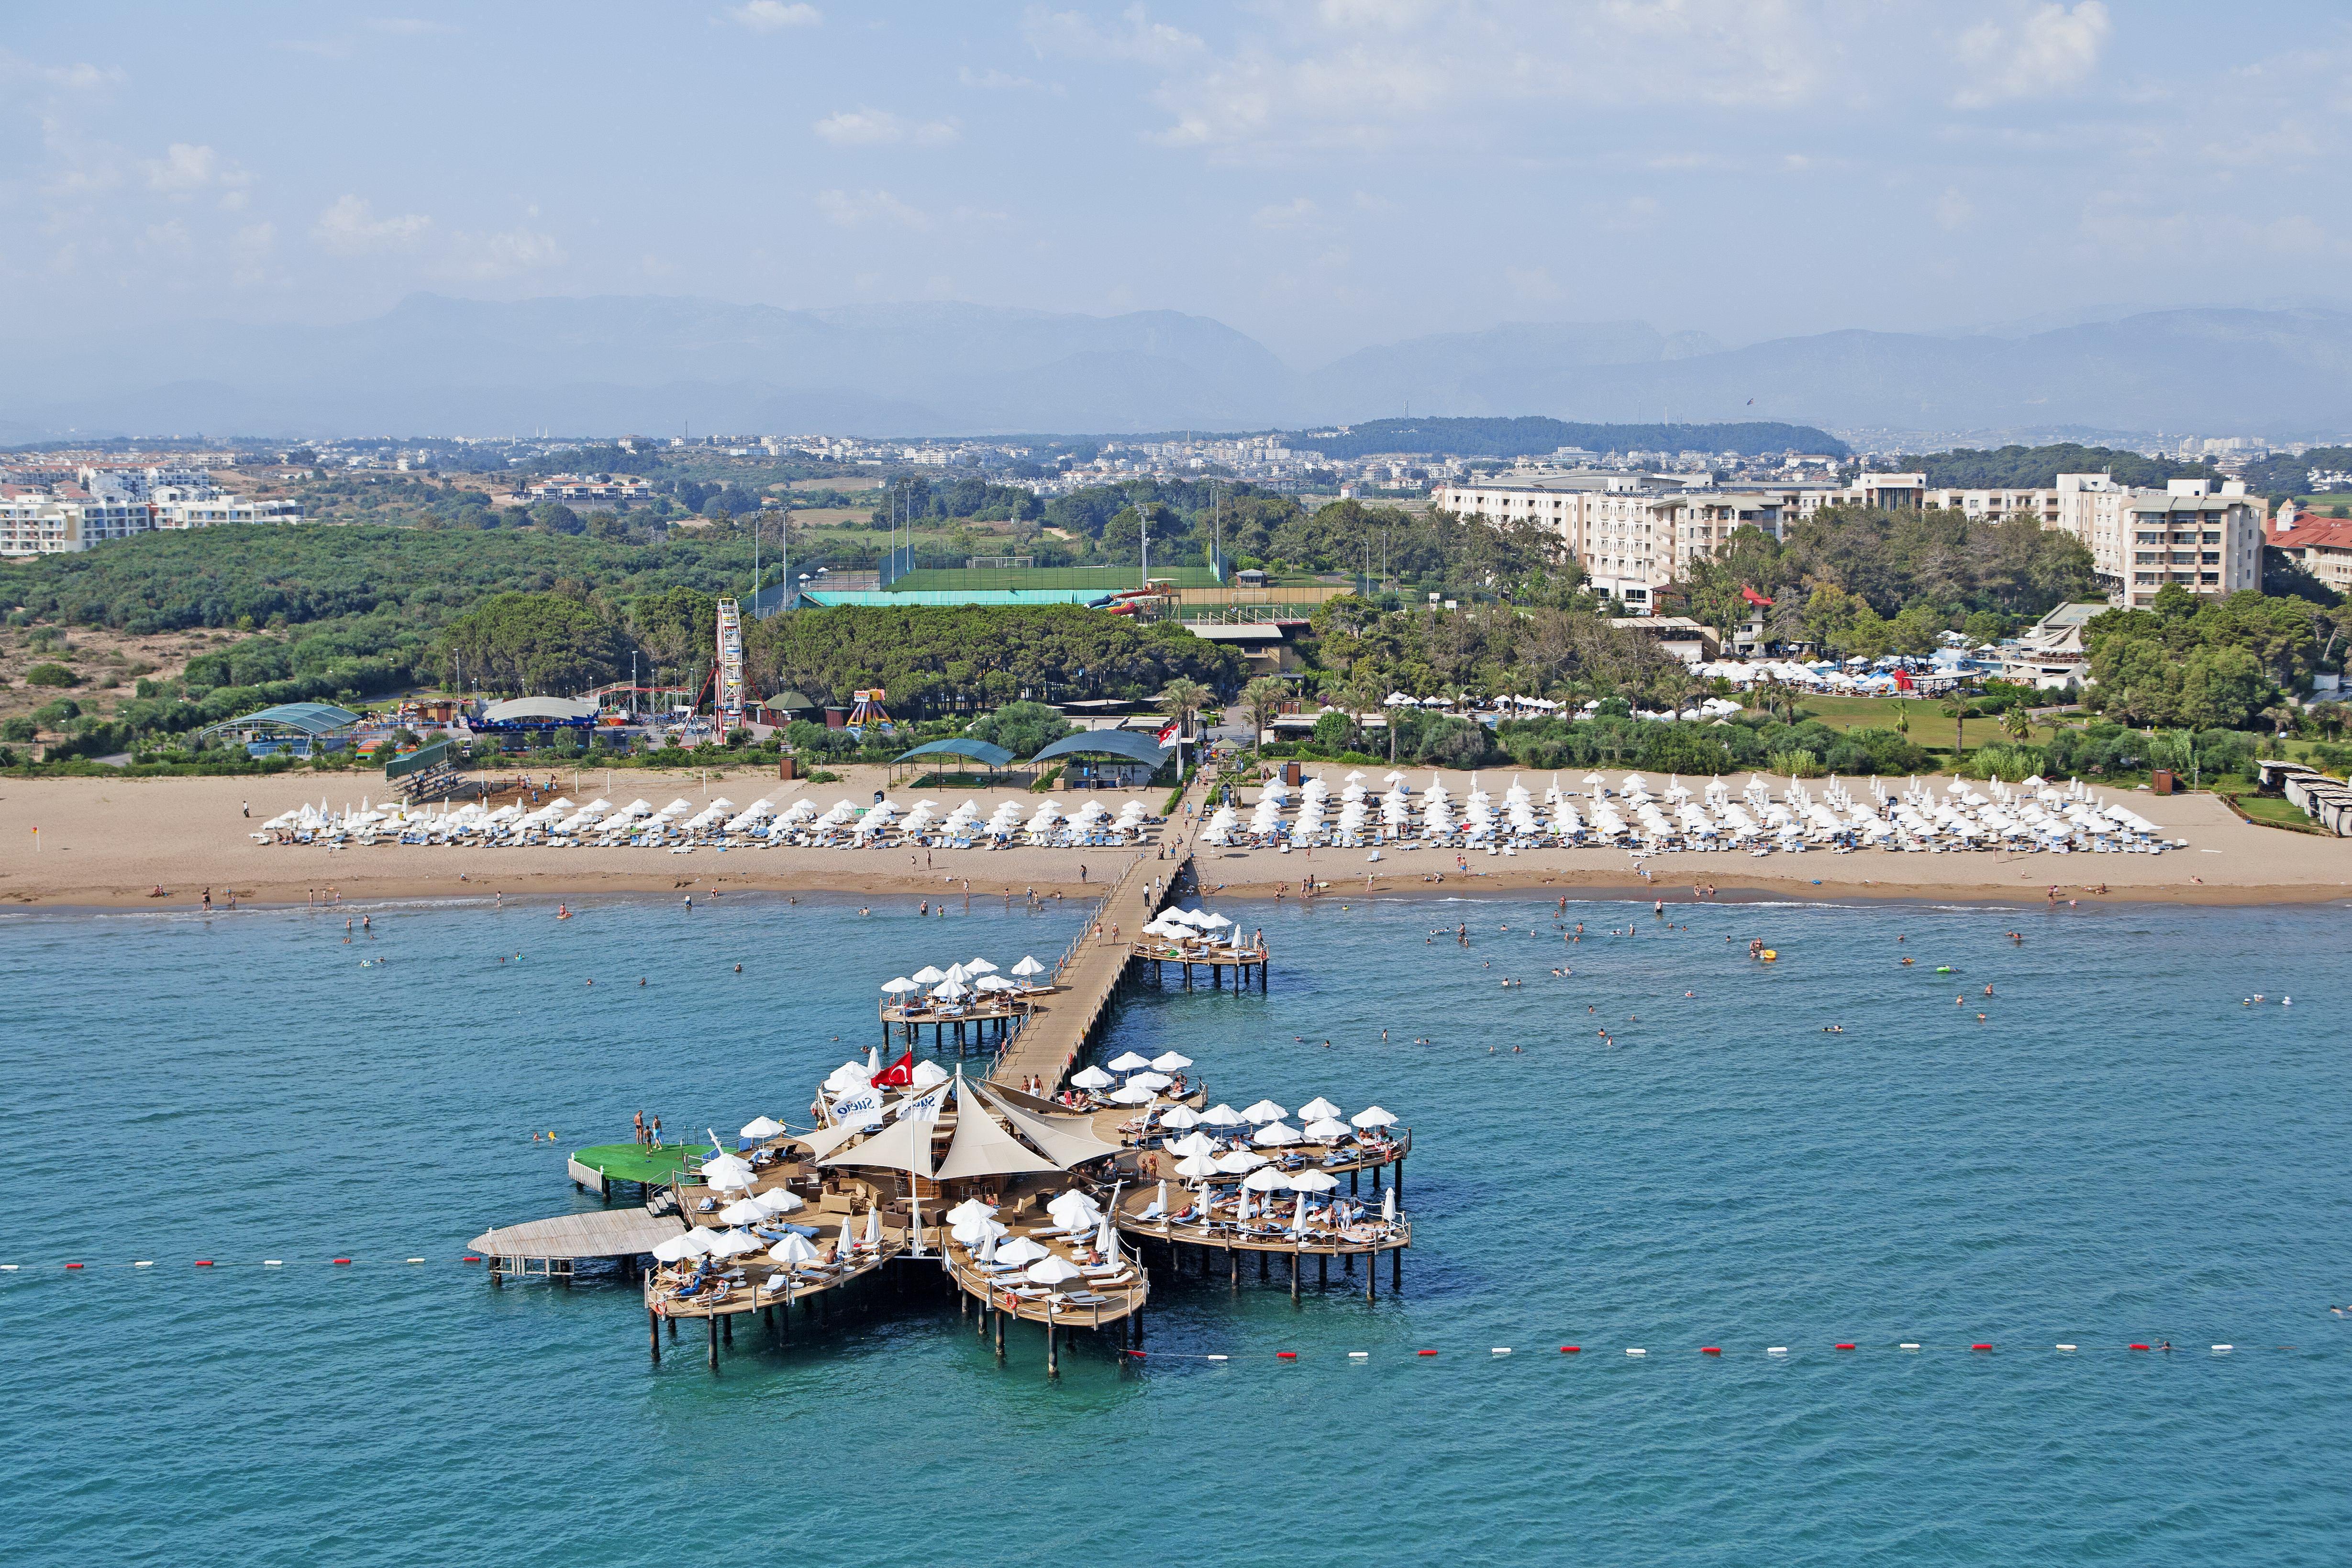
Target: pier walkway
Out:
[1049,1046]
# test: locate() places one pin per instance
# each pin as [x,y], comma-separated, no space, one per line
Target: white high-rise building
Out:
[2203,536]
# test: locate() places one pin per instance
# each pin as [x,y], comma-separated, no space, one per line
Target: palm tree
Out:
[1956,708]
[1182,699]
[1262,700]
[2017,721]
[1902,719]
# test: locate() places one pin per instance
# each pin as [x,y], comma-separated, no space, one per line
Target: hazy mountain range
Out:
[435,366]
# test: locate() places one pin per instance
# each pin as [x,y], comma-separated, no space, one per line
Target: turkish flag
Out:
[1167,733]
[900,1074]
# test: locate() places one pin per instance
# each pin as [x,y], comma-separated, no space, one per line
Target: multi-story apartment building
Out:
[2206,537]
[63,518]
[1999,505]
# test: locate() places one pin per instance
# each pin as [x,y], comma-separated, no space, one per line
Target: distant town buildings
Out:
[51,514]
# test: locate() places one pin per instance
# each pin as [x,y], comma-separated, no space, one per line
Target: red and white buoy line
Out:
[1494,1353]
[1771,1353]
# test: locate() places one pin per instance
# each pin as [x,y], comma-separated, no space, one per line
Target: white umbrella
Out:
[1132,1095]
[975,1229]
[1388,1204]
[978,966]
[847,1247]
[677,1248]
[1020,1249]
[743,1211]
[1193,1144]
[1265,1110]
[1171,1061]
[1223,1115]
[874,1227]
[793,1251]
[1313,1182]
[1150,1079]
[763,1127]
[1373,1116]
[1028,966]
[1316,1109]
[1326,1128]
[1070,1202]
[1183,1116]
[1051,1270]
[1198,1166]
[1274,1134]
[1266,1180]
[971,1208]
[1092,1078]
[733,1243]
[779,1200]
[928,975]
[1239,1161]
[900,986]
[1128,1061]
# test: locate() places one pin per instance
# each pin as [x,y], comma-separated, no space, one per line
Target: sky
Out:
[1322,175]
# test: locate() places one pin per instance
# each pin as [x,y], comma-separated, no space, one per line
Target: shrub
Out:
[51,675]
[2012,764]
[24,729]
[57,715]
[1796,765]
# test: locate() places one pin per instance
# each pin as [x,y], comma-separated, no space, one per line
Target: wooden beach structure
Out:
[1031,1207]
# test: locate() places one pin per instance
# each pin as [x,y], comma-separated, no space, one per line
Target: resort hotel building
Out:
[1635,533]
[106,504]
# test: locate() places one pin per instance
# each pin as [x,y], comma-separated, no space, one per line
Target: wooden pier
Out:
[1210,957]
[1049,1044]
[979,1024]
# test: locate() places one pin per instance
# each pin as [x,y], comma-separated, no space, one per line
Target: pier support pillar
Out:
[1396,1269]
[652,1332]
[1322,1269]
[727,1330]
[1234,1265]
[1262,1265]
[1053,1362]
[1137,1318]
[1371,1276]
[673,1328]
[1355,1182]
[1000,1333]
[712,1324]
[1294,1279]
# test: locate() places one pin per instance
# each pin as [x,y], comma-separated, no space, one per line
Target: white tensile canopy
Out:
[981,1148]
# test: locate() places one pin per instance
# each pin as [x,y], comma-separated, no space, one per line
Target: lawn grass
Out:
[1929,726]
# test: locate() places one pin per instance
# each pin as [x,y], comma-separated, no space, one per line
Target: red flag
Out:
[900,1074]
[1167,733]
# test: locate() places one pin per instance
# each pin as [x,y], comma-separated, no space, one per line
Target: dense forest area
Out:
[2038,468]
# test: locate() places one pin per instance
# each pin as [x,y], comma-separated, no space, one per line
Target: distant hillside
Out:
[1534,436]
[439,366]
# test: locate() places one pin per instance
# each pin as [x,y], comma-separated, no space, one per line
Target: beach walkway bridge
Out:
[1049,1046]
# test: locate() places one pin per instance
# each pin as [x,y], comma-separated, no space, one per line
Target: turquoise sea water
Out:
[2121,1152]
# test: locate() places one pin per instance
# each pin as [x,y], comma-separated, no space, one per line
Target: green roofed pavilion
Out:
[996,757]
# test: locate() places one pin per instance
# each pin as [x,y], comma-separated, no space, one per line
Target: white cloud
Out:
[485,257]
[186,168]
[1299,212]
[993,81]
[856,211]
[1135,37]
[349,227]
[880,128]
[2048,49]
[774,16]
[79,77]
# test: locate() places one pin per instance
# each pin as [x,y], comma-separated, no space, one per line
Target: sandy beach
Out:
[111,842]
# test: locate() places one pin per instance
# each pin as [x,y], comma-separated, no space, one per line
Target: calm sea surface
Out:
[2121,1151]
